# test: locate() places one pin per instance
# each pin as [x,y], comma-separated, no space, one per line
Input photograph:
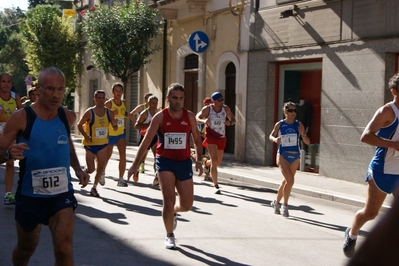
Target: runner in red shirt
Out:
[174,125]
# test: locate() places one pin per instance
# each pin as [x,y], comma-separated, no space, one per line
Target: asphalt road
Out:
[124,227]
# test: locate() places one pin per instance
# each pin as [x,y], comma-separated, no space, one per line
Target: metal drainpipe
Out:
[164,90]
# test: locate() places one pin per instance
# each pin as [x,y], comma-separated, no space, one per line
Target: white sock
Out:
[354,237]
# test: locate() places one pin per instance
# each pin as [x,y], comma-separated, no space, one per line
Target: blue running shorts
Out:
[96,148]
[112,140]
[290,157]
[183,170]
[31,211]
[385,182]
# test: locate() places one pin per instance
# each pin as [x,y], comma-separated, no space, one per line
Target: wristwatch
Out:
[8,155]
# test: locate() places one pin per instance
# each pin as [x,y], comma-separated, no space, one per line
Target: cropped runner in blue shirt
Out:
[382,175]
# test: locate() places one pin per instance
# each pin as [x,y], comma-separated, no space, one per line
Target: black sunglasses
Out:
[291,110]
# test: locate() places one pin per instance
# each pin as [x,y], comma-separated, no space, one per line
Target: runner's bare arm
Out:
[14,152]
[202,115]
[273,135]
[155,124]
[82,175]
[197,142]
[16,123]
[230,116]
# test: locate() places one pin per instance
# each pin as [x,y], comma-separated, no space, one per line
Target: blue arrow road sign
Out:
[28,80]
[198,41]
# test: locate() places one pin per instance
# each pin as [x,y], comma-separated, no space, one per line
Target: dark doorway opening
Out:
[230,101]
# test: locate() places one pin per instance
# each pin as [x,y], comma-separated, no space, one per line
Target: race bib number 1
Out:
[175,141]
[50,181]
[289,140]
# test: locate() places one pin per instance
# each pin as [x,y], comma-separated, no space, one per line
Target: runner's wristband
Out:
[8,155]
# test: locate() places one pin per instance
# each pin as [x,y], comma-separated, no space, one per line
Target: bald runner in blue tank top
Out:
[48,157]
[44,185]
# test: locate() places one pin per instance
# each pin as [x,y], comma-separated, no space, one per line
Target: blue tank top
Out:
[289,136]
[386,160]
[45,170]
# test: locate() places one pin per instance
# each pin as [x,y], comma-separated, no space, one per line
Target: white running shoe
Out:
[275,206]
[94,192]
[217,190]
[122,183]
[170,242]
[9,199]
[284,210]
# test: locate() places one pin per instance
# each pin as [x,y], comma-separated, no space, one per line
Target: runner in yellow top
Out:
[94,128]
[9,102]
[118,137]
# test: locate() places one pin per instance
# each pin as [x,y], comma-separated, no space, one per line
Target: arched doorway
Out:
[230,101]
[191,82]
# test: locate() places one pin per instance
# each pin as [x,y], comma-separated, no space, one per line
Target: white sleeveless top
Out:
[218,120]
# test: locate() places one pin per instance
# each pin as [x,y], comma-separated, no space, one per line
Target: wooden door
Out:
[191,91]
[310,91]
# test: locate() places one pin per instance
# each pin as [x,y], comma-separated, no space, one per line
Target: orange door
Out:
[310,91]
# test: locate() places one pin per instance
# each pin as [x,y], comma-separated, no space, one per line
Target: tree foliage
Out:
[120,37]
[11,52]
[12,61]
[10,18]
[50,40]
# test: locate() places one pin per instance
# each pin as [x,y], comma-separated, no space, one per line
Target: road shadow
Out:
[265,202]
[116,217]
[124,205]
[261,201]
[92,245]
[188,251]
[334,227]
[127,206]
[304,208]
